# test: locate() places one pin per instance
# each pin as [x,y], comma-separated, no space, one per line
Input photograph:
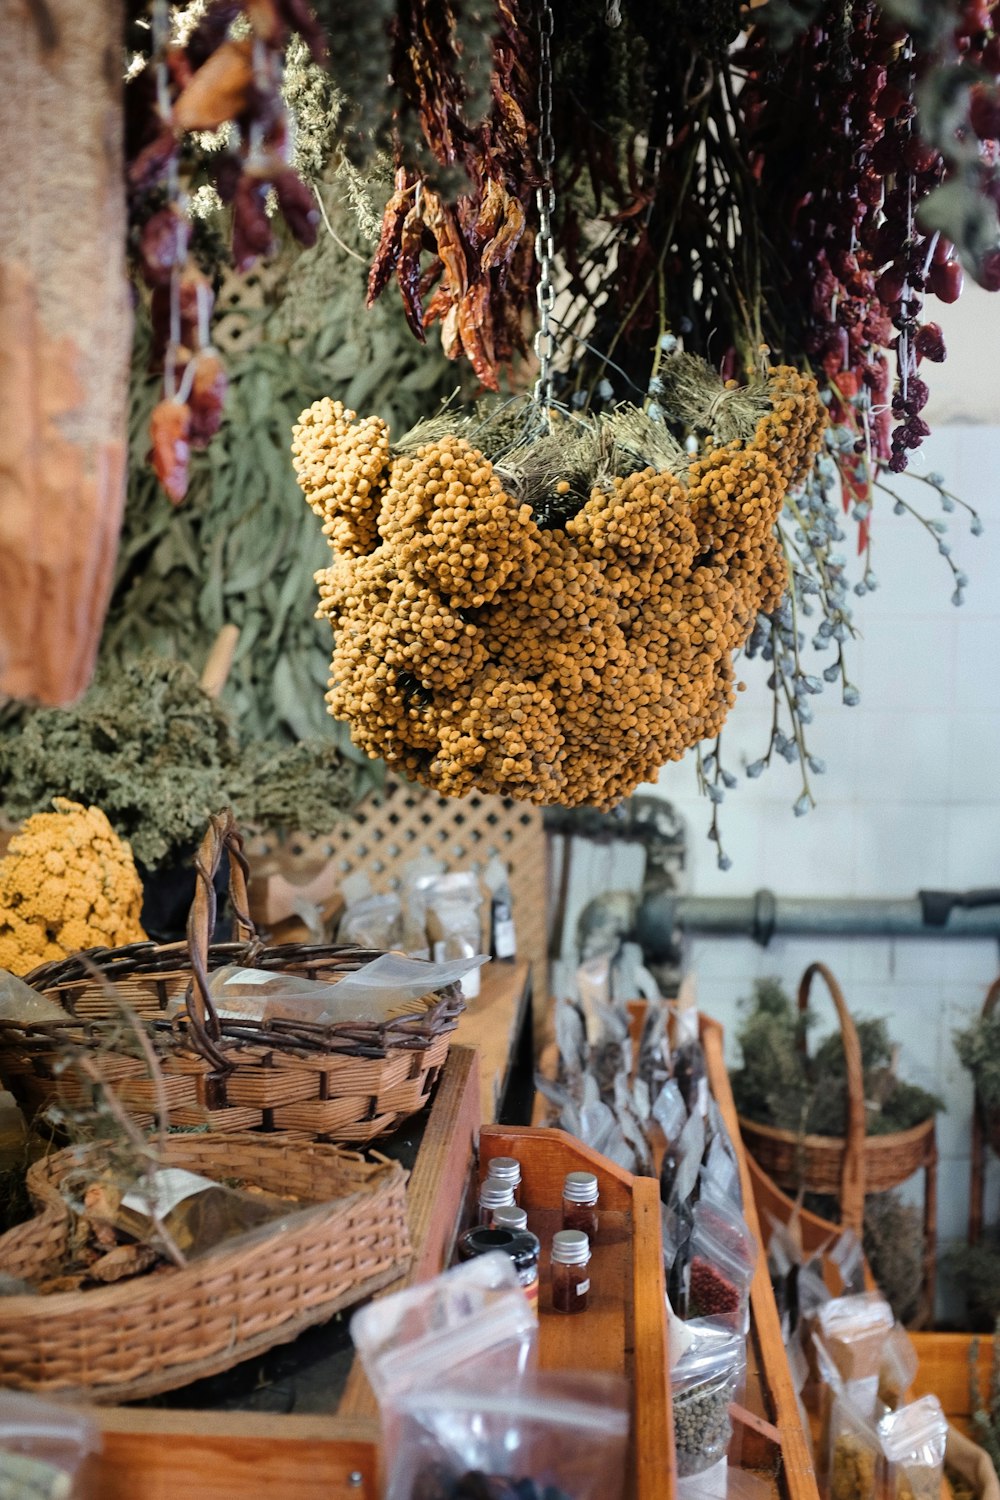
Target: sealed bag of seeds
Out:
[723,1256]
[702,1384]
[854,1453]
[913,1444]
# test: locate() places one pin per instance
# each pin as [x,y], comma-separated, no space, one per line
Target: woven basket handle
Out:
[992,996]
[223,836]
[852,1176]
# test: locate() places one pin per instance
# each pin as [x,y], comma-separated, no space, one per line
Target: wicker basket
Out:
[349,1081]
[175,1325]
[848,1168]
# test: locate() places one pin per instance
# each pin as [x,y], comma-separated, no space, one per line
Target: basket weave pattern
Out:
[167,1328]
[350,1081]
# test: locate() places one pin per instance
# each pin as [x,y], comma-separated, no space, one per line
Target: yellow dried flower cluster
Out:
[475,649]
[67,882]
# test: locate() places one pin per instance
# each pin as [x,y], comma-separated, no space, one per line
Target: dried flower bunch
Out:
[67,882]
[552,619]
[778,1085]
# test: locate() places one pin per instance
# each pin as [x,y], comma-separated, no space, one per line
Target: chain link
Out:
[545,292]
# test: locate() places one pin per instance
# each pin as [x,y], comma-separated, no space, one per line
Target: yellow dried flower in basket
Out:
[67,882]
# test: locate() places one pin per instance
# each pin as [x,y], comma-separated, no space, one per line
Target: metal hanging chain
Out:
[545,292]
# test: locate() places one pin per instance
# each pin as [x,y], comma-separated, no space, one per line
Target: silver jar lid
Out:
[509,1216]
[506,1168]
[570,1247]
[495,1194]
[580,1187]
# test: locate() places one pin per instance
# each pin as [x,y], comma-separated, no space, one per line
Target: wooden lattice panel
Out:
[404,821]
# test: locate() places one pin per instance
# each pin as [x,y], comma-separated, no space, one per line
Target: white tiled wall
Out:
[911,799]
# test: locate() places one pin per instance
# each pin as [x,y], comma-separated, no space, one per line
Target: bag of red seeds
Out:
[722,1260]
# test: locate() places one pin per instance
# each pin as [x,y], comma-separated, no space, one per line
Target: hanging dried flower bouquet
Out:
[546,606]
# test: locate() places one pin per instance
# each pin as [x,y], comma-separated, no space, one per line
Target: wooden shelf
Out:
[775,1438]
[624,1329]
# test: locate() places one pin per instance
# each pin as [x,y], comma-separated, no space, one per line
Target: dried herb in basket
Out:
[778,1085]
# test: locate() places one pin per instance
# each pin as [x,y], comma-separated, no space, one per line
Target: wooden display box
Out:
[624,1330]
[943,1368]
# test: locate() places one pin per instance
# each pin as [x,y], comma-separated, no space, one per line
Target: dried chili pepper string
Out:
[544,344]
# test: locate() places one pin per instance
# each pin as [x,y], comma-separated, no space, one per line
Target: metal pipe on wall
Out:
[930,914]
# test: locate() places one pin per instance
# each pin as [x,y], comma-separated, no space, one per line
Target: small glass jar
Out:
[570,1276]
[522,1247]
[507,1169]
[510,1218]
[493,1194]
[579,1203]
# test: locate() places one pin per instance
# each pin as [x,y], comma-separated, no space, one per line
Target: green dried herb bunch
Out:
[893,1238]
[159,756]
[978,1048]
[976,1269]
[986,1413]
[779,1085]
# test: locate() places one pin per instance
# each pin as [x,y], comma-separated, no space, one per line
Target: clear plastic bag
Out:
[377,991]
[20,1003]
[555,1436]
[703,1383]
[454,922]
[854,1331]
[913,1443]
[471,1325]
[898,1368]
[42,1449]
[722,1261]
[373,922]
[854,1454]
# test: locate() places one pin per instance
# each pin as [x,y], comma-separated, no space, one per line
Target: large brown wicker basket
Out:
[350,1081]
[178,1324]
[848,1168]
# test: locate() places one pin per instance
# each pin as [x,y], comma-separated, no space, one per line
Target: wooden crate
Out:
[943,1369]
[774,1435]
[624,1330]
[151,1454]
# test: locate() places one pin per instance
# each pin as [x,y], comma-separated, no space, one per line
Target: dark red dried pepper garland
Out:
[480,275]
[211,80]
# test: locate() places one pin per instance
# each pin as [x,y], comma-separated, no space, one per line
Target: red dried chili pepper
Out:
[208,397]
[169,430]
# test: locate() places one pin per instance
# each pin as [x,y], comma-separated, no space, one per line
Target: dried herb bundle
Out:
[978,1048]
[986,1412]
[159,756]
[779,1085]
